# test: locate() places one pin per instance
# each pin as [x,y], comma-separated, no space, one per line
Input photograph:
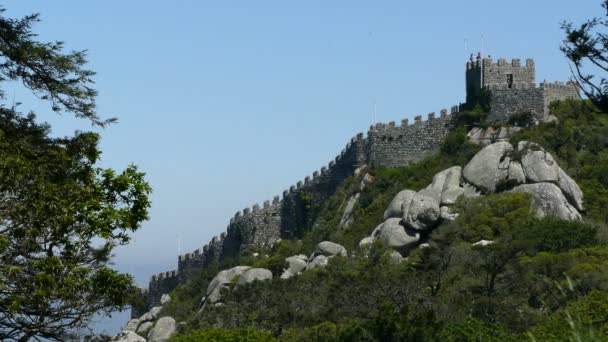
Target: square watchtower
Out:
[483,73]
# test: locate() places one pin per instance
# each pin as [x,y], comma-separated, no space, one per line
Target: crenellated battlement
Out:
[160,284]
[501,62]
[392,145]
[418,121]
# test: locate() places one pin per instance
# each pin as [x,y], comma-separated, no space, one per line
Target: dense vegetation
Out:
[542,279]
[61,214]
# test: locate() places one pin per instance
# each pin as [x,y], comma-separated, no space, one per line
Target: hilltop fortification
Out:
[512,91]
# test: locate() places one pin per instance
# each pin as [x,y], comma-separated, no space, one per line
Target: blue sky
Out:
[227,103]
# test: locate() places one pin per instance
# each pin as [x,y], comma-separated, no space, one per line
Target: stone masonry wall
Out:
[559,91]
[527,97]
[161,283]
[521,98]
[496,73]
[394,146]
[261,226]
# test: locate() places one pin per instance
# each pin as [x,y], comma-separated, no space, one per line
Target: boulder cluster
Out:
[238,274]
[497,167]
[319,258]
[527,168]
[152,325]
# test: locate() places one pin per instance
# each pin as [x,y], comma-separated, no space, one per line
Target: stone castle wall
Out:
[496,73]
[393,146]
[527,98]
[261,226]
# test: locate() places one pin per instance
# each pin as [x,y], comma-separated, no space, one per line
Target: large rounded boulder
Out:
[393,234]
[548,200]
[395,208]
[489,166]
[163,330]
[423,213]
[254,274]
[329,248]
[221,281]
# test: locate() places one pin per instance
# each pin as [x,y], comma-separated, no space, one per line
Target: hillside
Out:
[540,278]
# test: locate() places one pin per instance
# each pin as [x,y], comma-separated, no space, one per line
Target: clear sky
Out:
[227,103]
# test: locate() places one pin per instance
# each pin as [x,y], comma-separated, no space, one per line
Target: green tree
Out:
[586,46]
[60,214]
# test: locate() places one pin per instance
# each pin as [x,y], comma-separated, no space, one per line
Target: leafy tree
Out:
[587,46]
[60,214]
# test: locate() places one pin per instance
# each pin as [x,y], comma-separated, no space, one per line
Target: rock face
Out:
[447,215]
[221,281]
[366,241]
[497,167]
[151,315]
[164,299]
[528,165]
[395,208]
[163,330]
[392,234]
[297,264]
[548,199]
[490,135]
[346,219]
[487,167]
[573,193]
[254,274]
[318,261]
[451,187]
[132,325]
[144,328]
[423,212]
[128,336]
[538,165]
[328,248]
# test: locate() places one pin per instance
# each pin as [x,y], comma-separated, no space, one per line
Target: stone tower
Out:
[513,91]
[484,73]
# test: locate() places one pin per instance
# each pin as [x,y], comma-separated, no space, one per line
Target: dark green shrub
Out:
[225,335]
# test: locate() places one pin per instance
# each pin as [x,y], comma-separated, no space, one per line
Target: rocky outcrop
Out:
[222,281]
[297,264]
[490,135]
[132,325]
[162,330]
[328,248]
[423,212]
[318,261]
[128,336]
[488,167]
[144,328]
[395,208]
[548,199]
[499,164]
[164,299]
[151,315]
[254,274]
[393,234]
[497,167]
[347,218]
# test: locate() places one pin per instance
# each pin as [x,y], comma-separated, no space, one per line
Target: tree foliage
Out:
[60,214]
[586,46]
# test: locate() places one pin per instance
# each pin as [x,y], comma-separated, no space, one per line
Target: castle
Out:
[512,90]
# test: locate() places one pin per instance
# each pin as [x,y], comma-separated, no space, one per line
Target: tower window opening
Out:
[510,80]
